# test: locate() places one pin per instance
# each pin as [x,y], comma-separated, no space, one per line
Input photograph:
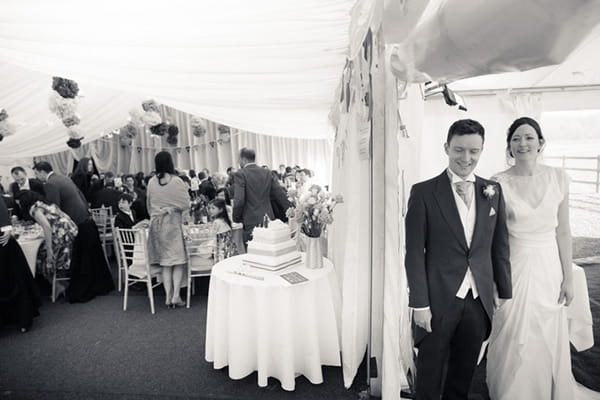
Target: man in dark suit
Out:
[22,183]
[206,188]
[107,196]
[457,256]
[61,191]
[253,189]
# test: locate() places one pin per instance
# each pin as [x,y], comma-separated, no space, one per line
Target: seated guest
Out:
[125,217]
[19,296]
[59,235]
[108,196]
[217,211]
[90,274]
[22,183]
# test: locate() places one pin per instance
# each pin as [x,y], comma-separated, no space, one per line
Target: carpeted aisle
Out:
[96,351]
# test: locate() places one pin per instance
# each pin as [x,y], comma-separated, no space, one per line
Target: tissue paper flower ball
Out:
[150,105]
[160,129]
[66,88]
[3,114]
[70,121]
[151,118]
[173,130]
[74,143]
[64,108]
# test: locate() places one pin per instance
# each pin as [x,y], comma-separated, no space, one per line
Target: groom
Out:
[456,255]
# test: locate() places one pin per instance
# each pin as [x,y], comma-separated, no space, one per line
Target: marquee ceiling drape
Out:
[266,66]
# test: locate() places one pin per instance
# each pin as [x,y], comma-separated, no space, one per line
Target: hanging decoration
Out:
[173,132]
[224,134]
[130,130]
[159,129]
[63,103]
[198,126]
[6,128]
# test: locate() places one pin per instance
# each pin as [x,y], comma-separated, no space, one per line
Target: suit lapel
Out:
[483,209]
[445,199]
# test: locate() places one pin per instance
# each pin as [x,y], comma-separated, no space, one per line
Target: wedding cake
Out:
[272,248]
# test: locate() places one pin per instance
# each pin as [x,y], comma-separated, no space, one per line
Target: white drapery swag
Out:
[199,152]
[265,66]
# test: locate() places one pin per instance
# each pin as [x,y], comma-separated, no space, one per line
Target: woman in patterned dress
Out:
[59,234]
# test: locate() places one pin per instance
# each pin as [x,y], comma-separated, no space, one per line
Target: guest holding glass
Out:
[167,199]
[59,234]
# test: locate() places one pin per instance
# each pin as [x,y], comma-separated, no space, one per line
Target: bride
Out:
[529,355]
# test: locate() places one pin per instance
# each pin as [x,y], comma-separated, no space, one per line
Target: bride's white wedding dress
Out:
[529,356]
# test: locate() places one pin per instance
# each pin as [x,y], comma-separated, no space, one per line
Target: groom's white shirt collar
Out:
[455,178]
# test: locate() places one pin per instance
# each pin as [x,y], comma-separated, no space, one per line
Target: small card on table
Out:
[294,277]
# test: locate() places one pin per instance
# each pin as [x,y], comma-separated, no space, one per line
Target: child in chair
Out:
[217,210]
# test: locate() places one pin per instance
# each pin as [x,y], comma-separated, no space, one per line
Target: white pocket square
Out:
[492,212]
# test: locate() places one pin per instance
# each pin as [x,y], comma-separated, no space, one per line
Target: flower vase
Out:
[314,253]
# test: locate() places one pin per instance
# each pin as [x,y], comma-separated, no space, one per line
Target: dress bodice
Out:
[532,202]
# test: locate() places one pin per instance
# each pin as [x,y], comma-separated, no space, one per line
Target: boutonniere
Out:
[489,191]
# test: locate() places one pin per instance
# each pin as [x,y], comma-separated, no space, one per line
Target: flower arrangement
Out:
[6,128]
[63,103]
[313,209]
[198,126]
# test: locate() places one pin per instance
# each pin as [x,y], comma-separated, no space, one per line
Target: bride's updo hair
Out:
[516,124]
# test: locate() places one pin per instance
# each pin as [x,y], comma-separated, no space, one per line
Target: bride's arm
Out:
[565,247]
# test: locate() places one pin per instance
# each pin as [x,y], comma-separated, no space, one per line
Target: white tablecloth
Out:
[30,248]
[271,326]
[581,331]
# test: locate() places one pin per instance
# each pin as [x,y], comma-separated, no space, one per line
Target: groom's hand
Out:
[423,318]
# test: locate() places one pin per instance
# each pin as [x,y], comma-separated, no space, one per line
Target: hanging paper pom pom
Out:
[74,143]
[173,130]
[150,105]
[125,140]
[224,138]
[6,129]
[62,107]
[130,130]
[74,132]
[223,129]
[3,114]
[172,140]
[151,118]
[65,87]
[198,126]
[136,117]
[160,129]
[72,120]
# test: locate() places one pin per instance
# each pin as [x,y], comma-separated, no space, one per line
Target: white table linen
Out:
[30,247]
[271,326]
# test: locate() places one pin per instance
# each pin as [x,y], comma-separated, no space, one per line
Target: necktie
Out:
[465,191]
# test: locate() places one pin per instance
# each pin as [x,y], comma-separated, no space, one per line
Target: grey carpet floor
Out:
[97,351]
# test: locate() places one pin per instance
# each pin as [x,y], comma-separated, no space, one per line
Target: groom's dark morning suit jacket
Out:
[437,254]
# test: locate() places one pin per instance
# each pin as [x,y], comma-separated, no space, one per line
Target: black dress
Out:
[90,274]
[19,295]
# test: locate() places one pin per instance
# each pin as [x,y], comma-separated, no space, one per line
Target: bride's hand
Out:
[566,292]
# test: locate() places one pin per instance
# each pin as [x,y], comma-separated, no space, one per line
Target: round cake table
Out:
[261,322]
